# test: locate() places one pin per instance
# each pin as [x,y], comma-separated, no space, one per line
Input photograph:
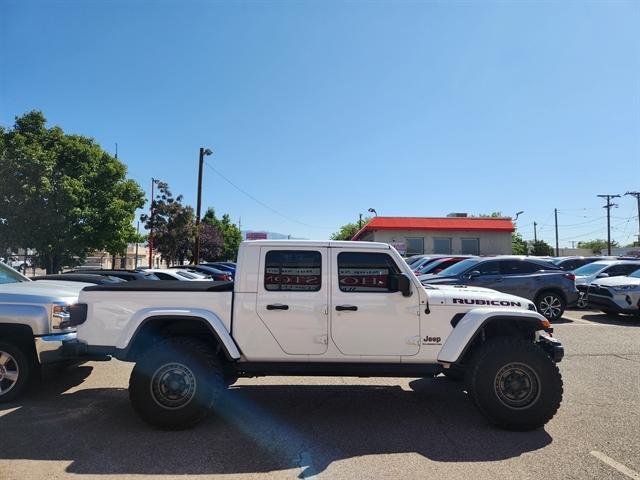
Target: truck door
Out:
[367,316]
[293,297]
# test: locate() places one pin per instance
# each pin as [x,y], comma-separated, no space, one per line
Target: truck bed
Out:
[164,286]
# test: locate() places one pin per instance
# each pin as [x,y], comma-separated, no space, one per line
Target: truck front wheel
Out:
[15,371]
[176,383]
[515,384]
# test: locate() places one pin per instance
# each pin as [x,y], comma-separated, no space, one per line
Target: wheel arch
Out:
[479,324]
[160,325]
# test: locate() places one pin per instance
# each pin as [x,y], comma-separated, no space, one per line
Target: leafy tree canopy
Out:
[348,230]
[230,233]
[172,224]
[542,248]
[597,246]
[62,194]
[518,245]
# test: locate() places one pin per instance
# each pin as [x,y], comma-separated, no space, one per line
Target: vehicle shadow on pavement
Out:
[619,320]
[261,429]
[53,381]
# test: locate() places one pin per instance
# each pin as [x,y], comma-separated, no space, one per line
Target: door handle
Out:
[351,308]
[277,306]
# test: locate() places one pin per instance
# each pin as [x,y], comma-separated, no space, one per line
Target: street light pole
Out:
[196,253]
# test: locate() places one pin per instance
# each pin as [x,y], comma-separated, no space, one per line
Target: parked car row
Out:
[553,284]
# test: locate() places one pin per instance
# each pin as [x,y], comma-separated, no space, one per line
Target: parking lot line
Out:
[614,464]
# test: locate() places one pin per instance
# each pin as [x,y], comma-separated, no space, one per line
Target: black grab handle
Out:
[277,306]
[352,308]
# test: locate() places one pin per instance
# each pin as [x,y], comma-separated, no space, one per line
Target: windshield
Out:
[9,275]
[186,275]
[589,269]
[459,267]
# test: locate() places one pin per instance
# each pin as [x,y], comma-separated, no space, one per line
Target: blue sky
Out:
[323,109]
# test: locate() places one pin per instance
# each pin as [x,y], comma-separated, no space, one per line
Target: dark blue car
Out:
[549,287]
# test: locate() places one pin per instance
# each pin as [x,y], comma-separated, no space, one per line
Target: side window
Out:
[164,276]
[488,268]
[470,246]
[519,267]
[365,272]
[442,245]
[292,270]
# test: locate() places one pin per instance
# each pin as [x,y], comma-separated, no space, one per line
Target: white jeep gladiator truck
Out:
[320,308]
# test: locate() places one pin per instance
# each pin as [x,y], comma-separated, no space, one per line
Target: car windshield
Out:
[459,267]
[9,275]
[589,269]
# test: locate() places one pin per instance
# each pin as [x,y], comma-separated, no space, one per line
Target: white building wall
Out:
[491,243]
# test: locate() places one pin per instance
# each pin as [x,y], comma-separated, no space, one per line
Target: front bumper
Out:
[607,303]
[552,346]
[51,348]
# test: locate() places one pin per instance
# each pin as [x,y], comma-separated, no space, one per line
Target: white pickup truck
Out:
[320,308]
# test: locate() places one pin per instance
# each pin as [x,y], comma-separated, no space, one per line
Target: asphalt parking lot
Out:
[78,423]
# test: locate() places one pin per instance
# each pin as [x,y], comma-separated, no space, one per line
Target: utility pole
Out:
[153,183]
[196,253]
[135,262]
[535,234]
[637,195]
[608,207]
[360,222]
[557,247]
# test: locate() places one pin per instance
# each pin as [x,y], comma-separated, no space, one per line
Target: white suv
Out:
[616,295]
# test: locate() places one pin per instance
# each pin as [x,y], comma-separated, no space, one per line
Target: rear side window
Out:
[488,268]
[292,270]
[519,267]
[365,272]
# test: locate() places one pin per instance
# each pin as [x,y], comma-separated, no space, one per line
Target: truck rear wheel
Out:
[176,383]
[515,384]
[15,371]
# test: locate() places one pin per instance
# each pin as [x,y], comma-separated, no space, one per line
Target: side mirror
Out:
[400,283]
[473,274]
[602,275]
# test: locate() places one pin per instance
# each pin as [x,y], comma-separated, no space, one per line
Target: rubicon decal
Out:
[496,303]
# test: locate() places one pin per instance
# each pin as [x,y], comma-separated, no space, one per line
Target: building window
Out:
[292,270]
[470,246]
[442,245]
[415,246]
[365,272]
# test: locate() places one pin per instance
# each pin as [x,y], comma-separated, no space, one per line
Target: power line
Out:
[244,192]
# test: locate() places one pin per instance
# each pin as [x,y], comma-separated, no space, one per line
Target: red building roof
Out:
[439,223]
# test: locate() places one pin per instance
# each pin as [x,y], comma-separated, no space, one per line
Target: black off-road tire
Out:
[16,371]
[176,383]
[550,297]
[454,374]
[504,369]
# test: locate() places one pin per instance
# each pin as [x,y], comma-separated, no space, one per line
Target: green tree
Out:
[173,225]
[518,245]
[348,230]
[62,194]
[231,235]
[597,246]
[542,248]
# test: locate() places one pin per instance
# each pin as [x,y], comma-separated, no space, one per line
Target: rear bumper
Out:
[51,348]
[572,298]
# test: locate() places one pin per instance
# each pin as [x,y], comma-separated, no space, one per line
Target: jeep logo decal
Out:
[496,303]
[431,340]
